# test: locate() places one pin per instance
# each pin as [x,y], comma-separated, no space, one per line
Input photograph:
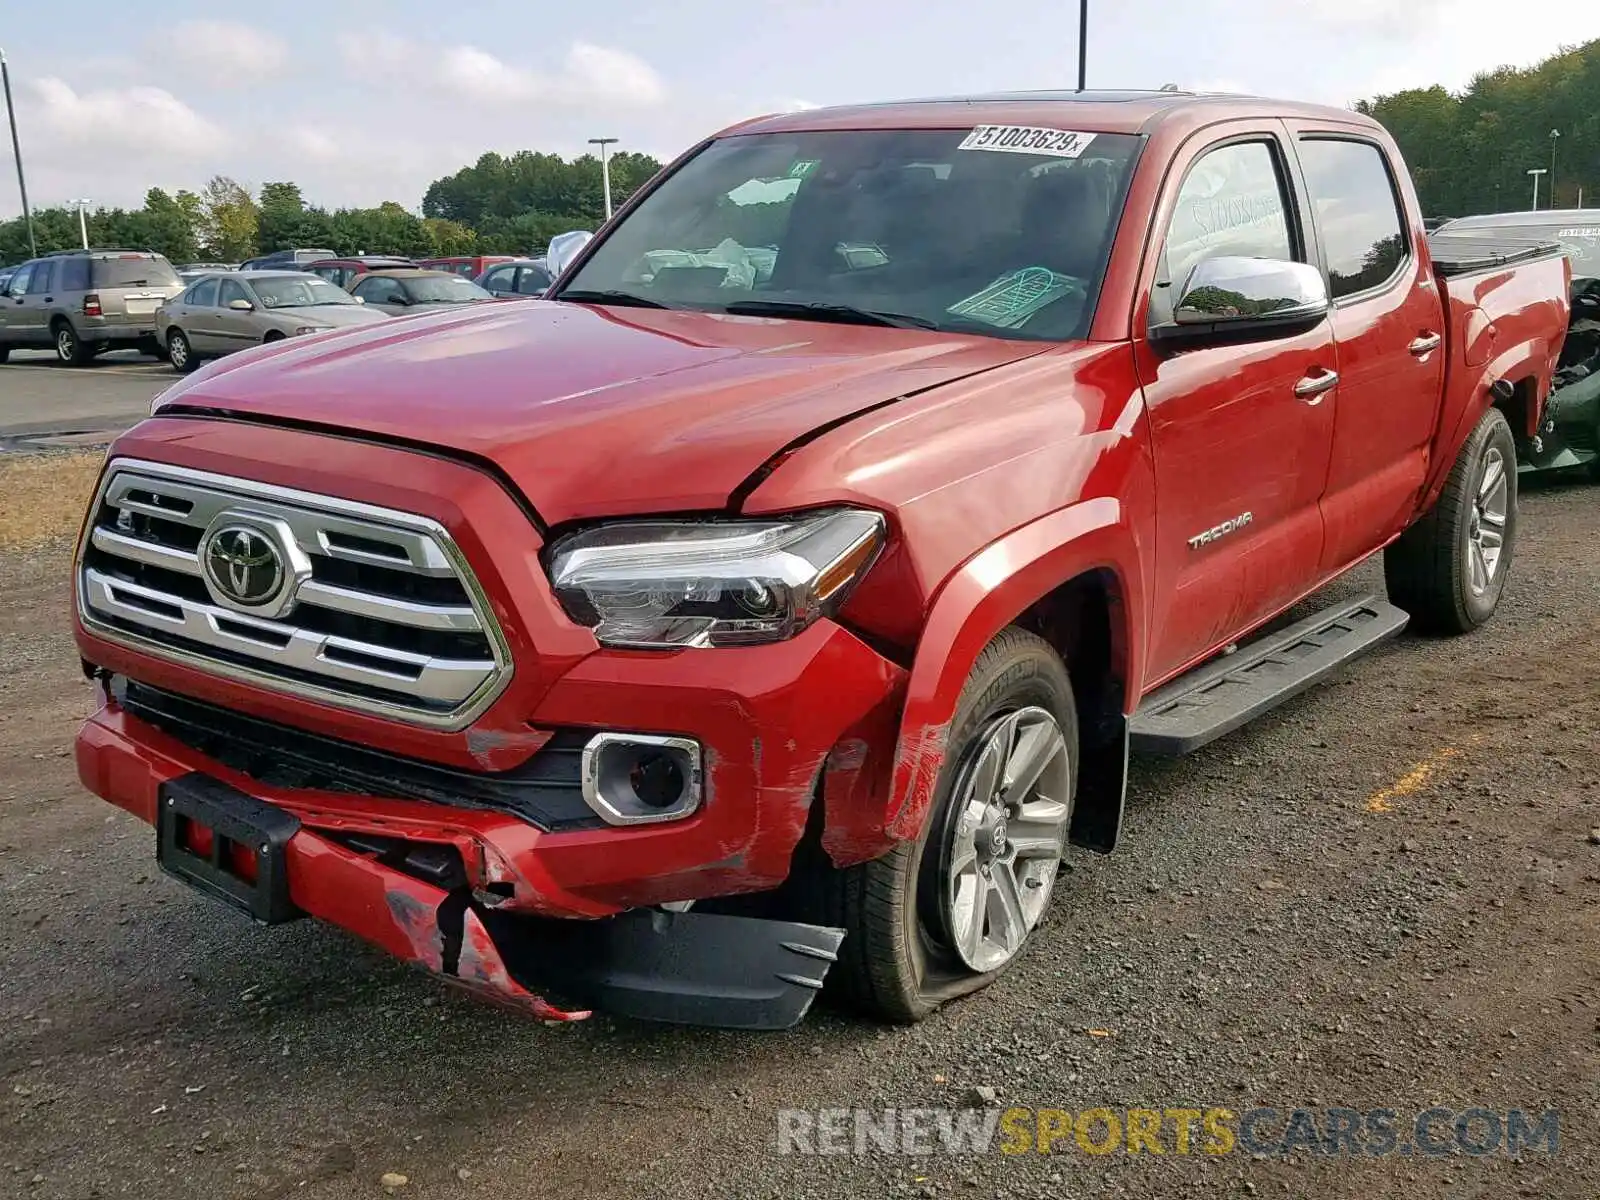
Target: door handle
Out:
[1425,344]
[1311,387]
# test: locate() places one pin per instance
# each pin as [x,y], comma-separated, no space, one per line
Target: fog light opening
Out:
[636,778]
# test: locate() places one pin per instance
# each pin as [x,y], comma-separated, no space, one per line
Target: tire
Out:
[274,336]
[5,353]
[1440,570]
[153,348]
[180,353]
[71,350]
[900,959]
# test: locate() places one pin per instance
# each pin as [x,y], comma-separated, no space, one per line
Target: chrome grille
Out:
[382,613]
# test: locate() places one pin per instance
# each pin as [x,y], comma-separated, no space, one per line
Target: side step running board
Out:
[1221,695]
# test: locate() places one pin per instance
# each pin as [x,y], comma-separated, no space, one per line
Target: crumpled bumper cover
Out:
[646,963]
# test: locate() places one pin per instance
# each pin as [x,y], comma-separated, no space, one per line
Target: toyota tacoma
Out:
[770,606]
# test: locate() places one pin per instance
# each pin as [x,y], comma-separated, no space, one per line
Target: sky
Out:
[361,101]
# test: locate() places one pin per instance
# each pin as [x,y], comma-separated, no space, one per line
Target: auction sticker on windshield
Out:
[1027,139]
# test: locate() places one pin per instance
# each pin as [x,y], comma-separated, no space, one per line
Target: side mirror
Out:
[240,305]
[564,247]
[1236,296]
[359,299]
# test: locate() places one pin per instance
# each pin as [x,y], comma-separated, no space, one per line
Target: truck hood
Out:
[593,411]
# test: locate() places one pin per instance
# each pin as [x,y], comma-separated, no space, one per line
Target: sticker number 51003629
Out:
[1027,139]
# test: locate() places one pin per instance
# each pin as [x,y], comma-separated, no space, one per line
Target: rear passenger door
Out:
[1388,323]
[1240,429]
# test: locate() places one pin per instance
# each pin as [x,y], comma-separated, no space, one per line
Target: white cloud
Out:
[123,121]
[226,52]
[590,75]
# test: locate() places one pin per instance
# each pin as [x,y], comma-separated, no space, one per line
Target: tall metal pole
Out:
[605,169]
[1083,44]
[16,148]
[83,225]
[1536,172]
[1555,135]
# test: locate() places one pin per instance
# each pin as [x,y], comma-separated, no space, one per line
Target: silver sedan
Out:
[220,313]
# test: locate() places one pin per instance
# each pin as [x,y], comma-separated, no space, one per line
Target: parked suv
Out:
[83,302]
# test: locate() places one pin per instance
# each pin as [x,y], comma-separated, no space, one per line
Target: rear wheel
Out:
[179,353]
[71,350]
[5,353]
[1449,569]
[944,915]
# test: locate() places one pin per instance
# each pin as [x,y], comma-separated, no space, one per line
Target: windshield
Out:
[445,289]
[134,270]
[997,230]
[293,291]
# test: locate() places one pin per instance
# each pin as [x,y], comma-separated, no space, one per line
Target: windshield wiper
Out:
[622,299]
[817,311]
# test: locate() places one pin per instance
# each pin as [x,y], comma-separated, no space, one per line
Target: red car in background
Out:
[468,265]
[342,272]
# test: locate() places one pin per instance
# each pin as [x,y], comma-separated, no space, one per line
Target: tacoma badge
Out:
[1231,525]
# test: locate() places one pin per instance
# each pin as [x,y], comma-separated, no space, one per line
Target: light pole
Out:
[16,148]
[83,224]
[605,169]
[1555,136]
[1536,172]
[1083,44]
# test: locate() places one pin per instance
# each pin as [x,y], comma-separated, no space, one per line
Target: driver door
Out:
[1241,450]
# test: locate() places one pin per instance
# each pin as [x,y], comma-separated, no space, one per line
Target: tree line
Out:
[1471,152]
[499,205]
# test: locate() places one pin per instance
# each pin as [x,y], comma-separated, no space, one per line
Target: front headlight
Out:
[301,330]
[712,583]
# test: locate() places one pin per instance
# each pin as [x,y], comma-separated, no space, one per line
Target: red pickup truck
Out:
[772,605]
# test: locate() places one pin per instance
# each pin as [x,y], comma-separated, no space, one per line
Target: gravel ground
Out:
[1381,896]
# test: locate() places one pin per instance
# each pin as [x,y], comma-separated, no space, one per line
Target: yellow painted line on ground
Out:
[1417,778]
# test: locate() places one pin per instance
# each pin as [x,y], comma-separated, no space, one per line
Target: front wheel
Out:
[943,916]
[1449,569]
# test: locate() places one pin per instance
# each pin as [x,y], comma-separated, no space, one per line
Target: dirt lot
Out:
[1382,896]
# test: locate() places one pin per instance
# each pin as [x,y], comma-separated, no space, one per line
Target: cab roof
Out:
[1092,111]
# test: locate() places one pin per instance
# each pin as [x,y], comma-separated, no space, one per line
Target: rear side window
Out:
[72,274]
[134,270]
[1363,235]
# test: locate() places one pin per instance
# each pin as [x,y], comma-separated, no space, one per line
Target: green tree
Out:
[229,220]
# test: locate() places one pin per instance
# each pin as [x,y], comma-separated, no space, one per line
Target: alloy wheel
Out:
[1486,525]
[1006,838]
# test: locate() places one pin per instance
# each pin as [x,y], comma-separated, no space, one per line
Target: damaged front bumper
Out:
[556,917]
[413,900]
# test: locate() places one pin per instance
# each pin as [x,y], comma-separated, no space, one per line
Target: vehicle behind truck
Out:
[771,606]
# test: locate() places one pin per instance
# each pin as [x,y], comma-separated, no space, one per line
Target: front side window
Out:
[501,279]
[1000,231]
[203,294]
[1230,203]
[1358,213]
[19,281]
[231,290]
[532,281]
[43,274]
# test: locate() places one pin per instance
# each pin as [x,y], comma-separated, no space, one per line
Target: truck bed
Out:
[1464,253]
